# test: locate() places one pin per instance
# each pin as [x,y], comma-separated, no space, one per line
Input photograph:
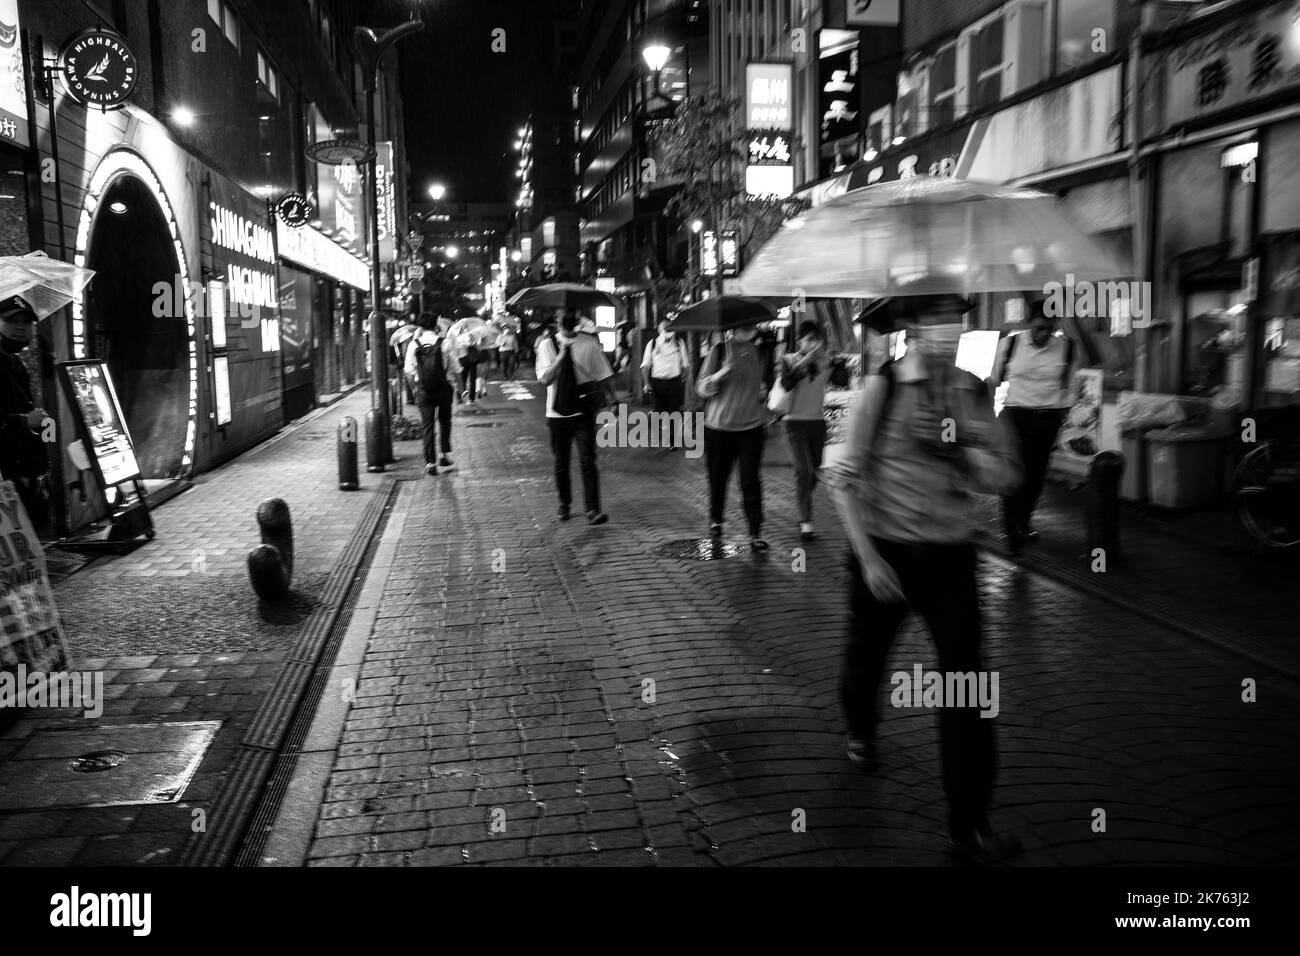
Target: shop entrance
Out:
[131,251]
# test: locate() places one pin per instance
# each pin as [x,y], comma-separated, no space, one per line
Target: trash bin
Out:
[1185,465]
[1133,442]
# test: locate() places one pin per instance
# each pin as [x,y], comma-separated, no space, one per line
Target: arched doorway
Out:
[129,238]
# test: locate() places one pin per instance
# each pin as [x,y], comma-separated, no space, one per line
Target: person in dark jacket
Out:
[23,459]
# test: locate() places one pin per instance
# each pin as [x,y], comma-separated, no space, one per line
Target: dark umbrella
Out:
[722,312]
[891,314]
[563,295]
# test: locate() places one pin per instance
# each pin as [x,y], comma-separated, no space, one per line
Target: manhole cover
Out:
[700,549]
[98,761]
[150,763]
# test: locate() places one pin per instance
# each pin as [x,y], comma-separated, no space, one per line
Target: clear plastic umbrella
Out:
[47,284]
[927,235]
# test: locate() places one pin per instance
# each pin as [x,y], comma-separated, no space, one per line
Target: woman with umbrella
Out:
[731,383]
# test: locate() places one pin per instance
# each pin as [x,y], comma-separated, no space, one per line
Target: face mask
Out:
[934,339]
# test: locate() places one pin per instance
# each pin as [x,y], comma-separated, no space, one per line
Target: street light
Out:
[452,252]
[697,225]
[183,116]
[437,191]
[371,47]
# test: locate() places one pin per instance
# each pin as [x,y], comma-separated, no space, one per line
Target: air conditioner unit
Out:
[1023,41]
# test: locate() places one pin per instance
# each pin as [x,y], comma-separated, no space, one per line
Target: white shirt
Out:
[664,359]
[589,364]
[1034,374]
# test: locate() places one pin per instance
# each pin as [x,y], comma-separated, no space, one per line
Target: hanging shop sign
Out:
[295,209]
[30,634]
[13,84]
[1249,58]
[340,152]
[98,69]
[709,253]
[729,253]
[770,120]
[313,249]
[387,204]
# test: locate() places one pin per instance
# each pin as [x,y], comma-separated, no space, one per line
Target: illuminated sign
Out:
[313,249]
[708,253]
[387,204]
[730,253]
[98,69]
[768,96]
[13,85]
[606,317]
[221,374]
[770,150]
[295,209]
[95,401]
[774,182]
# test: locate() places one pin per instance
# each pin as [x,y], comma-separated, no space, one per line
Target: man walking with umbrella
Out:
[921,437]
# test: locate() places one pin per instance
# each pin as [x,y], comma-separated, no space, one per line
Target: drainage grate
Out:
[485,424]
[700,549]
[108,766]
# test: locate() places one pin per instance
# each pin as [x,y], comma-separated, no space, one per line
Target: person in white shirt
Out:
[1038,366]
[508,349]
[590,368]
[432,398]
[666,366]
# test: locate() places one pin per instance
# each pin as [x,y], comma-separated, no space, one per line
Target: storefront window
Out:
[1085,30]
[986,65]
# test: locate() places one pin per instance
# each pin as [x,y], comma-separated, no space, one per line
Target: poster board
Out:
[102,424]
[30,633]
[1080,436]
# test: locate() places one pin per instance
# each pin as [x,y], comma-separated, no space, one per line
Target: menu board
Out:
[94,399]
[30,634]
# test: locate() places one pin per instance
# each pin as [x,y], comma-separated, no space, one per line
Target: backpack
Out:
[473,355]
[1011,350]
[431,369]
[568,400]
[839,377]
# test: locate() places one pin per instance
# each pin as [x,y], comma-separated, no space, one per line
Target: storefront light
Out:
[183,116]
[118,207]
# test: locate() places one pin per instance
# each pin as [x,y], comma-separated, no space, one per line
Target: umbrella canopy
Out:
[397,341]
[926,235]
[564,295]
[721,312]
[47,284]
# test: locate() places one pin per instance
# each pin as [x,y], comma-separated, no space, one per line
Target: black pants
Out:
[564,433]
[721,451]
[669,393]
[938,582]
[1037,429]
[469,376]
[807,442]
[435,414]
[508,362]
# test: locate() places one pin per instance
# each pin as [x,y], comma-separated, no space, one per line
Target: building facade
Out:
[217,321]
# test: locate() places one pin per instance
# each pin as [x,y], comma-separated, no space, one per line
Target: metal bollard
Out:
[348,478]
[270,564]
[375,451]
[1104,476]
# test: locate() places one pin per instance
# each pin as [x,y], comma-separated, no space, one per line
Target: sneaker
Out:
[446,462]
[759,544]
[984,848]
[715,530]
[597,517]
[806,530]
[862,754]
[430,469]
[562,512]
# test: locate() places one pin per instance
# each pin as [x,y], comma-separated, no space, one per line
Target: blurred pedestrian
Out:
[427,368]
[592,373]
[1038,366]
[23,458]
[804,374]
[731,382]
[666,368]
[921,437]
[508,349]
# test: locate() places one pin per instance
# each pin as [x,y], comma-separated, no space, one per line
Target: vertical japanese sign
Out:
[13,89]
[769,117]
[387,205]
[709,253]
[729,253]
[30,633]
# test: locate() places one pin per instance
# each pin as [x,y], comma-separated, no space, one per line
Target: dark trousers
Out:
[669,393]
[469,377]
[1036,429]
[435,415]
[938,582]
[508,362]
[565,432]
[722,450]
[807,441]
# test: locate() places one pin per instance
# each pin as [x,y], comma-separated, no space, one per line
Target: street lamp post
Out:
[371,48]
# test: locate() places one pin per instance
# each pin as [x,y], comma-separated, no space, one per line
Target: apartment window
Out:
[231,26]
[214,11]
[267,76]
[986,65]
[1085,30]
[943,87]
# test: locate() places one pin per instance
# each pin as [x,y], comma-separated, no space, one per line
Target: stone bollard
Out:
[1103,504]
[348,478]
[375,451]
[270,564]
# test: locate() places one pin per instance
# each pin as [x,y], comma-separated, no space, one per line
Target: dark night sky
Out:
[464,103]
